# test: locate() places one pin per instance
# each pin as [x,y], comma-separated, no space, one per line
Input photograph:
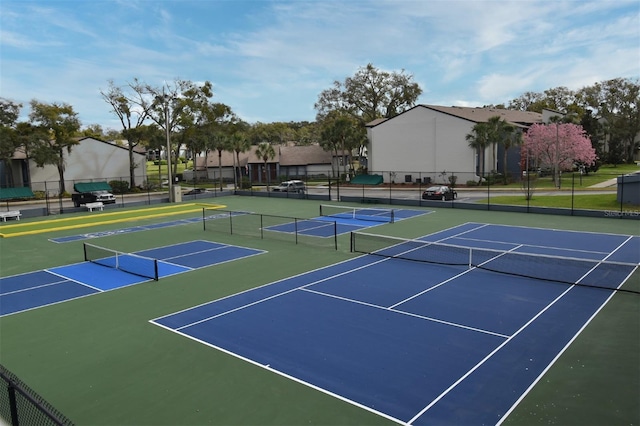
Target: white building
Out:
[90,160]
[427,140]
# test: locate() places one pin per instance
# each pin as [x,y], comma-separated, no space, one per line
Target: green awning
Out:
[14,193]
[367,180]
[91,186]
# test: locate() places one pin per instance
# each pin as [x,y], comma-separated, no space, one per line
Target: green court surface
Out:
[98,360]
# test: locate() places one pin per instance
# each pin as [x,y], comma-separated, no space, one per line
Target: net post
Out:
[155,267]
[230,223]
[262,227]
[335,234]
[295,224]
[352,239]
[84,249]
[470,258]
[321,204]
[204,222]
[393,215]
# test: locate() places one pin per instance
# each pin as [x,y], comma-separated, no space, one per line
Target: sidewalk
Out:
[606,183]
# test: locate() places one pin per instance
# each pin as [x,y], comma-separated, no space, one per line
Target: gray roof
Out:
[304,155]
[286,155]
[480,115]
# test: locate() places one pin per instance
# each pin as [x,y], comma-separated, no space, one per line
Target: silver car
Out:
[297,186]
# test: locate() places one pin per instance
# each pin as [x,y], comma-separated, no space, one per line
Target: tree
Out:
[512,136]
[341,134]
[132,107]
[61,123]
[177,107]
[266,152]
[558,145]
[370,94]
[559,99]
[495,133]
[595,130]
[218,141]
[9,139]
[238,143]
[93,131]
[617,102]
[479,140]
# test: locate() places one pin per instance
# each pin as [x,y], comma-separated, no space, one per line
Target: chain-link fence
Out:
[605,194]
[20,405]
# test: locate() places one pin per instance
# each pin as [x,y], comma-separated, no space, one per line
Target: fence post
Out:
[13,405]
[488,191]
[621,194]
[573,186]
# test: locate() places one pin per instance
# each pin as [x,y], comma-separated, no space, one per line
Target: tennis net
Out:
[567,270]
[361,213]
[132,263]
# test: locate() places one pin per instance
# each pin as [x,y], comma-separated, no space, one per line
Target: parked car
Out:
[196,191]
[91,197]
[290,186]
[443,193]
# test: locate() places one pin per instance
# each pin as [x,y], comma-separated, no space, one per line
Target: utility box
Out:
[177,194]
[629,189]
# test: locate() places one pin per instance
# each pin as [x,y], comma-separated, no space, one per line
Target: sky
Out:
[269,60]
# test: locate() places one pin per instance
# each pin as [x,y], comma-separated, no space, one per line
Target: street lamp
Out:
[165,103]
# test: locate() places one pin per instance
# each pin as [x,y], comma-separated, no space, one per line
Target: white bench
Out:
[9,214]
[96,205]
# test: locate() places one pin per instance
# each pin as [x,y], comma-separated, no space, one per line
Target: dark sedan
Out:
[196,191]
[443,193]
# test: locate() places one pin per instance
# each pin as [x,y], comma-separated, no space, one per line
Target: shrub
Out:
[119,186]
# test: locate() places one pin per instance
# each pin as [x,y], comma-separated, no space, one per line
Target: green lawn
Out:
[157,173]
[570,179]
[579,201]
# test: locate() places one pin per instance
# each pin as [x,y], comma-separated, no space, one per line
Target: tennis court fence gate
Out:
[20,405]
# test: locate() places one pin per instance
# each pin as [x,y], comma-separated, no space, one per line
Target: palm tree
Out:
[238,143]
[218,141]
[478,140]
[511,136]
[266,152]
[498,129]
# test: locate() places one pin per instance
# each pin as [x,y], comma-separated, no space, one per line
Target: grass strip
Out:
[587,201]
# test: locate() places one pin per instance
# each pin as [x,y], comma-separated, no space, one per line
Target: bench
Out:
[9,214]
[96,205]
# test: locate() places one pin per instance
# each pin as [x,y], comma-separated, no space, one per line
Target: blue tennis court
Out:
[41,288]
[416,342]
[344,220]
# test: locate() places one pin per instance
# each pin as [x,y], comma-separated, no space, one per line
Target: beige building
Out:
[289,162]
[427,140]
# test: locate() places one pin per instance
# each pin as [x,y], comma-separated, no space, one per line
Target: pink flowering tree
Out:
[558,146]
